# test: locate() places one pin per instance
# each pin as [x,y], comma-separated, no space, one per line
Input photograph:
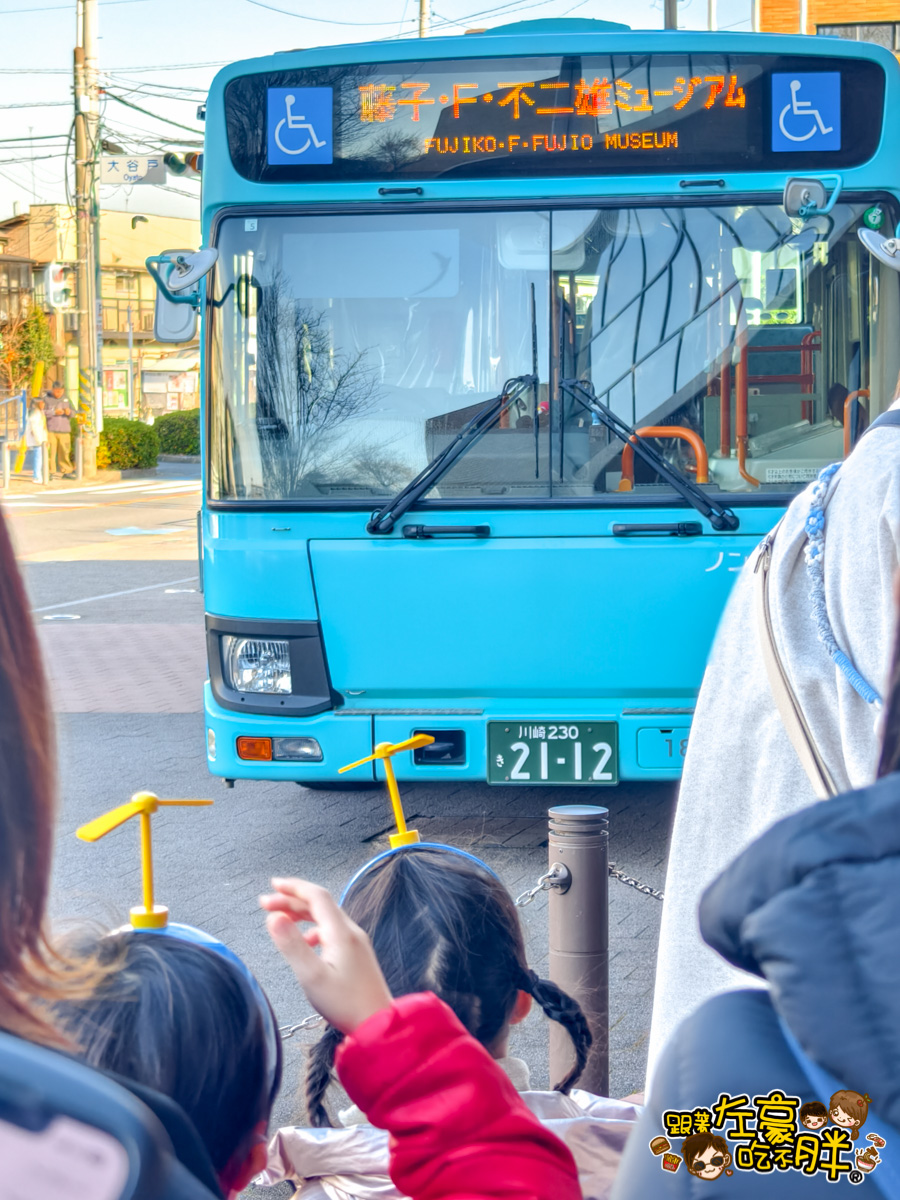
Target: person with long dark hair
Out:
[441,921]
[32,973]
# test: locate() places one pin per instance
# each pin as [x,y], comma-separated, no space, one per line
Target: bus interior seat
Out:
[777,362]
[66,1129]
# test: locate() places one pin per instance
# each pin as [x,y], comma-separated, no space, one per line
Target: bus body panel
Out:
[521,617]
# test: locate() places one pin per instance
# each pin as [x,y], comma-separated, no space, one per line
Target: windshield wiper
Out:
[718,516]
[476,427]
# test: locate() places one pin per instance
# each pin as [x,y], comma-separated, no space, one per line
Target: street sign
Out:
[122,168]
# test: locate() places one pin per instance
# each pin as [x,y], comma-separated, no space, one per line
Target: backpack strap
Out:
[789,706]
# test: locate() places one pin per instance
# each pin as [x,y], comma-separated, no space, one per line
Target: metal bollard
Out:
[79,457]
[579,935]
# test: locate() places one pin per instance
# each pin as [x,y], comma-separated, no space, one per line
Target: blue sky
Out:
[140,39]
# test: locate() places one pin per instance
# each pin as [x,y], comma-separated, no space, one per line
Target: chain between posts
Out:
[288,1031]
[635,883]
[558,877]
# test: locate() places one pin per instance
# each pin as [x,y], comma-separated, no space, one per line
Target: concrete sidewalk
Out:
[23,482]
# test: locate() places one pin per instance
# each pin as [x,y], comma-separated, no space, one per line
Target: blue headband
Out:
[199,937]
[411,848]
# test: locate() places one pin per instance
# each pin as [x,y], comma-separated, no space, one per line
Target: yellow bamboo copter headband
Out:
[153,918]
[384,752]
[403,839]
[149,915]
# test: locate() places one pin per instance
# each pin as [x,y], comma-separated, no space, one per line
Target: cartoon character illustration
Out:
[705,1155]
[849,1110]
[813,1115]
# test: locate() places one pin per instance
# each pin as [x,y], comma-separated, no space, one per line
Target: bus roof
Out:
[554,37]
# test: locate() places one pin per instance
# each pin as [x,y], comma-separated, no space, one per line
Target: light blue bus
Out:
[454,277]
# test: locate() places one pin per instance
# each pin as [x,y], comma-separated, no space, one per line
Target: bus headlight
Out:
[260,665]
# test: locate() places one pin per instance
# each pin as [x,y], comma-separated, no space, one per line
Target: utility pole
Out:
[86,135]
[424,17]
[130,365]
[804,15]
[710,15]
[670,13]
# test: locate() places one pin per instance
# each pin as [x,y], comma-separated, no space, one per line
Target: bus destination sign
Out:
[574,115]
[531,103]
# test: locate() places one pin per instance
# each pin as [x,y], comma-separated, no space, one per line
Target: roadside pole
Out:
[130,365]
[579,934]
[86,134]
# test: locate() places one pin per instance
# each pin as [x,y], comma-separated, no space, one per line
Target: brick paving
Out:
[124,668]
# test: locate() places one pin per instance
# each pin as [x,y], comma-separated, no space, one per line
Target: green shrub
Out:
[179,432]
[125,444]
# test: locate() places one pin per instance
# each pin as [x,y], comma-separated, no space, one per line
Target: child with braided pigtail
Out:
[441,921]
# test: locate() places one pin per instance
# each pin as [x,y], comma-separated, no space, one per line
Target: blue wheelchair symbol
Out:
[806,111]
[299,125]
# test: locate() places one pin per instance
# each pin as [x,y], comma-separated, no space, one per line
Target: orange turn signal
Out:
[255,748]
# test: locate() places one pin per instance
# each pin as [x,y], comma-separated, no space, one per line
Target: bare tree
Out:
[308,395]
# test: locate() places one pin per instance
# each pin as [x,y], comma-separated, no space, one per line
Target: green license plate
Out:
[553,752]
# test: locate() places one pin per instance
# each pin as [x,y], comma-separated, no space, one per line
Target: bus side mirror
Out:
[809,197]
[177,274]
[885,249]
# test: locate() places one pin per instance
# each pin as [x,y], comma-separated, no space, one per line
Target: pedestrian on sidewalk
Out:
[36,437]
[60,430]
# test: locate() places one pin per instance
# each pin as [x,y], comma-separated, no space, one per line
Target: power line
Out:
[40,137]
[37,158]
[155,116]
[110,70]
[41,104]
[173,66]
[58,7]
[320,20]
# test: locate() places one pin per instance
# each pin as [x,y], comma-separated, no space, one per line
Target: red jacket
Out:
[459,1130]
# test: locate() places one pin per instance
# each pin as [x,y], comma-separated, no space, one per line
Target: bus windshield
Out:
[346,350]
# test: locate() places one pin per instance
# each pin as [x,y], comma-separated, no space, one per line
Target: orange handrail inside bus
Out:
[664,431]
[740,411]
[853,396]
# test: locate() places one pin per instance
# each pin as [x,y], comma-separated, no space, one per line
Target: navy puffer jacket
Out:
[812,906]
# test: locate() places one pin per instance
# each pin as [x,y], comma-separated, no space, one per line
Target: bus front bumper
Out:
[651,738]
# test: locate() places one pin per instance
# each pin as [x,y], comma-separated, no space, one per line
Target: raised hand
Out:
[343,981]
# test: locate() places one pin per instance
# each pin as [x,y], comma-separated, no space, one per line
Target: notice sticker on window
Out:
[791,474]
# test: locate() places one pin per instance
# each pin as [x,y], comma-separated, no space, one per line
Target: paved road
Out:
[111,572]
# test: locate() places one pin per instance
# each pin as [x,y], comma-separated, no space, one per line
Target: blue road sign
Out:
[806,111]
[300,126]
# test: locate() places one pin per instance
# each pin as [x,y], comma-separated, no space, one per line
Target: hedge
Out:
[179,432]
[125,443]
